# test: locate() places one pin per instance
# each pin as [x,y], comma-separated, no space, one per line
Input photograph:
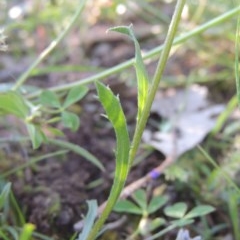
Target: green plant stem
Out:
[222,118]
[156,79]
[19,217]
[148,55]
[49,49]
[233,211]
[143,119]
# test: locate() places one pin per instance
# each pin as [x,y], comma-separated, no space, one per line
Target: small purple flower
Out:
[183,234]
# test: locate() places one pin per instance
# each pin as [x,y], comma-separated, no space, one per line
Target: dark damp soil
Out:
[53,193]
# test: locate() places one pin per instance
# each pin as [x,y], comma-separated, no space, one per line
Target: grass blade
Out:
[233,212]
[78,150]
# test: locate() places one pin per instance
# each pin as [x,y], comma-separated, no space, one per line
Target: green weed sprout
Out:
[140,206]
[126,152]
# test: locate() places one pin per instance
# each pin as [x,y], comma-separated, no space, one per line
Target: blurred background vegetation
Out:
[207,59]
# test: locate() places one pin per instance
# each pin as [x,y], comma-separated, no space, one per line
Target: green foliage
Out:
[199,211]
[6,231]
[49,99]
[4,196]
[142,76]
[27,231]
[36,134]
[142,207]
[233,204]
[89,220]
[52,108]
[114,112]
[75,95]
[113,109]
[13,103]
[78,150]
[70,120]
[178,211]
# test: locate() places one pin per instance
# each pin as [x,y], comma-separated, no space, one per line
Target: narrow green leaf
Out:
[75,95]
[233,204]
[13,103]
[31,161]
[78,150]
[70,120]
[141,72]
[89,219]
[127,207]
[199,211]
[177,210]
[114,112]
[156,203]
[5,194]
[27,231]
[223,172]
[116,116]
[49,98]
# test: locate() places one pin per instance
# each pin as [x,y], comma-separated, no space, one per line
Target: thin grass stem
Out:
[156,79]
[144,116]
[23,78]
